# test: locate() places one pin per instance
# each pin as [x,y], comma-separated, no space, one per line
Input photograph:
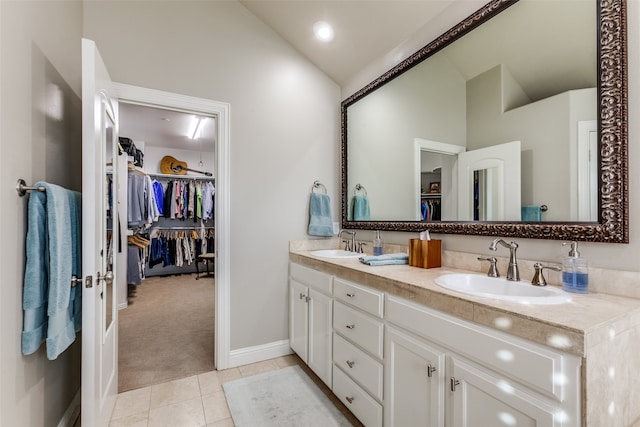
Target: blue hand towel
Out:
[320,223]
[531,213]
[361,210]
[36,282]
[53,256]
[386,259]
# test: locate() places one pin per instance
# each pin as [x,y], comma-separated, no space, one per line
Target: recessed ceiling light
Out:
[323,31]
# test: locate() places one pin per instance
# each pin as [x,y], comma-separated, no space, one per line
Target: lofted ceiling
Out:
[364,29]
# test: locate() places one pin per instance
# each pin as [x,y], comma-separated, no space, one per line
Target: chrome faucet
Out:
[349,245]
[512,272]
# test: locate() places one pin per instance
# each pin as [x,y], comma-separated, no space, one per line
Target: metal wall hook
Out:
[22,188]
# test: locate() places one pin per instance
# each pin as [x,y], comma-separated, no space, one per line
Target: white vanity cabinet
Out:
[358,350]
[488,378]
[310,318]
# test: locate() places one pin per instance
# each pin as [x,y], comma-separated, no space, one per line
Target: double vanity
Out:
[401,350]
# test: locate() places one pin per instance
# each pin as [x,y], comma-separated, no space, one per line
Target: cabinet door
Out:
[320,335]
[298,318]
[414,382]
[479,397]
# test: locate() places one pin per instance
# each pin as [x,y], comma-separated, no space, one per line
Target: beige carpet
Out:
[166,332]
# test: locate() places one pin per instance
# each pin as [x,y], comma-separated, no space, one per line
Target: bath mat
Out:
[286,397]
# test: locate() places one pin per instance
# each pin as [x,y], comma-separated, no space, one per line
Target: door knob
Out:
[108,277]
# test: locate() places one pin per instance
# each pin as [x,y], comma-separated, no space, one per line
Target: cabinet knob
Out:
[349,399]
[350,326]
[351,363]
[430,370]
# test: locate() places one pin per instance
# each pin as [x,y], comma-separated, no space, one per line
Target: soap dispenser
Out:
[575,274]
[377,244]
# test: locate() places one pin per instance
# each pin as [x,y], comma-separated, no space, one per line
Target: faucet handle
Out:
[360,245]
[347,245]
[538,276]
[493,270]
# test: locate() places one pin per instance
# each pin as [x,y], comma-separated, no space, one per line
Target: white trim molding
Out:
[259,353]
[222,110]
[72,413]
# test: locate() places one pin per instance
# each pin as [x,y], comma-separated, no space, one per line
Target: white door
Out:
[298,318]
[320,335]
[414,383]
[99,314]
[479,398]
[489,183]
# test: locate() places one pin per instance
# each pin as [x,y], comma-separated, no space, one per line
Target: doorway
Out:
[166,318]
[133,95]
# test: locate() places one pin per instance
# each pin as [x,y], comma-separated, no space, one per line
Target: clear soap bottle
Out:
[575,273]
[377,244]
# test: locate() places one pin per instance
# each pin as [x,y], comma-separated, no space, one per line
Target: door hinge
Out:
[88,282]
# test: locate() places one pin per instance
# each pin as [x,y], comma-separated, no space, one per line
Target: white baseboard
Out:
[72,413]
[259,353]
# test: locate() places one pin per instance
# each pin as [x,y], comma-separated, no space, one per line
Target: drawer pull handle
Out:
[351,294]
[349,399]
[351,326]
[302,296]
[430,370]
[350,363]
[454,383]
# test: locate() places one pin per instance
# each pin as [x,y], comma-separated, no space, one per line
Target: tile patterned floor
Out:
[195,401]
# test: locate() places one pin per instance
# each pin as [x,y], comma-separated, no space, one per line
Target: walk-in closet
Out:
[166,303]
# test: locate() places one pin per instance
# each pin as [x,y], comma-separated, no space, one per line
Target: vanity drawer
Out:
[310,277]
[366,299]
[359,328]
[534,365]
[363,406]
[361,367]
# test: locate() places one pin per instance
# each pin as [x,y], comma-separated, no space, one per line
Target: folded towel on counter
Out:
[320,223]
[386,259]
[51,306]
[361,211]
[531,213]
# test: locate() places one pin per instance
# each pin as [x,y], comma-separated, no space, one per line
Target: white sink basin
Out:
[336,253]
[502,289]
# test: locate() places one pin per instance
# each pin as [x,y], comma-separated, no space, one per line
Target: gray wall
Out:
[40,139]
[284,129]
[614,256]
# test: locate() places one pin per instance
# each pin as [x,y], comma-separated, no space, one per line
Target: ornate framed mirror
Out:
[441,95]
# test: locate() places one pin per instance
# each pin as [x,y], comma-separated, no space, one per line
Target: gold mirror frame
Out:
[613,213]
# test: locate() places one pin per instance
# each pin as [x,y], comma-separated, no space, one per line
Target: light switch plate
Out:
[336,228]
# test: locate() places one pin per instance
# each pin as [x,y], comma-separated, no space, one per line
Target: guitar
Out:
[172,166]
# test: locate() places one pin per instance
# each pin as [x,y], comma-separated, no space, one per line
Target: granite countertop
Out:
[573,327]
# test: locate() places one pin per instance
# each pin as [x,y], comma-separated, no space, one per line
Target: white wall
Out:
[544,128]
[284,129]
[415,105]
[40,139]
[603,255]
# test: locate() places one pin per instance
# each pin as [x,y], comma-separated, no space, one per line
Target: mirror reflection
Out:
[107,249]
[429,145]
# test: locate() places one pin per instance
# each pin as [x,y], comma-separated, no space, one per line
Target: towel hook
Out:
[318,185]
[22,188]
[544,208]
